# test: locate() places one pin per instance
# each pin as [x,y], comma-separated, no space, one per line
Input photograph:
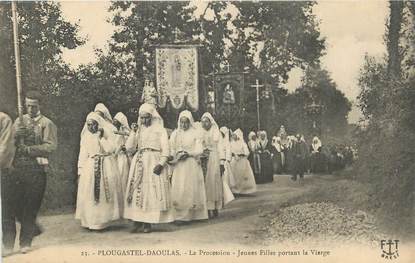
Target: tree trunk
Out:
[394,28]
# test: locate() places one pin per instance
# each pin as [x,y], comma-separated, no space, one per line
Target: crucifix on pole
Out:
[227,66]
[257,86]
[178,35]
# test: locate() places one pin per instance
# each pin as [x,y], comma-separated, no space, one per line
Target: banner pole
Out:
[17,61]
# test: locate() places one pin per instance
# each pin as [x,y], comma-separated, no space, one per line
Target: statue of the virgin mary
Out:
[150,94]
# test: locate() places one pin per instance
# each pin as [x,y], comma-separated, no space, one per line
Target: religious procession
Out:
[219,124]
[144,173]
[148,176]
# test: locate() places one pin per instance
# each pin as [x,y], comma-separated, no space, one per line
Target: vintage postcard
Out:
[207,131]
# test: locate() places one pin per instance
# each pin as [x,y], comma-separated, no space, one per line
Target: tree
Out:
[43,35]
[289,30]
[386,147]
[289,33]
[318,87]
[393,35]
[372,82]
[141,25]
[271,39]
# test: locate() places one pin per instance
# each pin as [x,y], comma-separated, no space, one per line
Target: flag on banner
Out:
[177,76]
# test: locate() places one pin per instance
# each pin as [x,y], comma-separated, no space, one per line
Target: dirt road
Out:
[238,225]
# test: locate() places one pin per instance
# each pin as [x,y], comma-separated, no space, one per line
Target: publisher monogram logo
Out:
[389,249]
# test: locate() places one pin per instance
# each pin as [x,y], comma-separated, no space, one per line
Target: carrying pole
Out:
[17,60]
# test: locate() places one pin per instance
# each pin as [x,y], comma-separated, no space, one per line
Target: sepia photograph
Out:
[207,131]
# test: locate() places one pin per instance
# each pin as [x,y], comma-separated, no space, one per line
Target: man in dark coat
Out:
[36,138]
[300,152]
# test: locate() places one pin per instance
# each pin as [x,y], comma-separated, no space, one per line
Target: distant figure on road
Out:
[254,156]
[278,155]
[241,168]
[317,156]
[300,152]
[265,155]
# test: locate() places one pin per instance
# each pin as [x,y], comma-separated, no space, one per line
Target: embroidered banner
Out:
[229,99]
[177,76]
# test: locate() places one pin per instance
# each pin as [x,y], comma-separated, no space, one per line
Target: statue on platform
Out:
[228,95]
[150,94]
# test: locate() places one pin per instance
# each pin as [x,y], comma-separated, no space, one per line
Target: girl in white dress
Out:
[227,178]
[111,135]
[147,199]
[212,150]
[241,168]
[98,199]
[123,161]
[188,186]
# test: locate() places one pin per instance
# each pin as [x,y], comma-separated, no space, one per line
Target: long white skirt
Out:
[151,199]
[213,182]
[228,175]
[228,184]
[227,193]
[124,169]
[244,177]
[188,191]
[98,215]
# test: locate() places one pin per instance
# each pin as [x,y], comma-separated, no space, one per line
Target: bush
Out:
[387,148]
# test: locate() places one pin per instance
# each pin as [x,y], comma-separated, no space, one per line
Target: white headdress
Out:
[187,114]
[214,130]
[100,107]
[225,132]
[123,120]
[151,109]
[251,134]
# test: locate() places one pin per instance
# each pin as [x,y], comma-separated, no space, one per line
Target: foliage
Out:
[288,32]
[43,35]
[386,147]
[294,110]
[222,35]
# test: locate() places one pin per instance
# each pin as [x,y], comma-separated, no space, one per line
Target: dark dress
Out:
[255,160]
[300,152]
[277,157]
[266,175]
[318,161]
[289,157]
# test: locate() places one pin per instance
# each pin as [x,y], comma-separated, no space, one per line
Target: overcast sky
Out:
[351,28]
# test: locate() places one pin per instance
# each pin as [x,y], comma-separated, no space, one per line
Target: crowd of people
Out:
[150,176]
[144,173]
[289,154]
